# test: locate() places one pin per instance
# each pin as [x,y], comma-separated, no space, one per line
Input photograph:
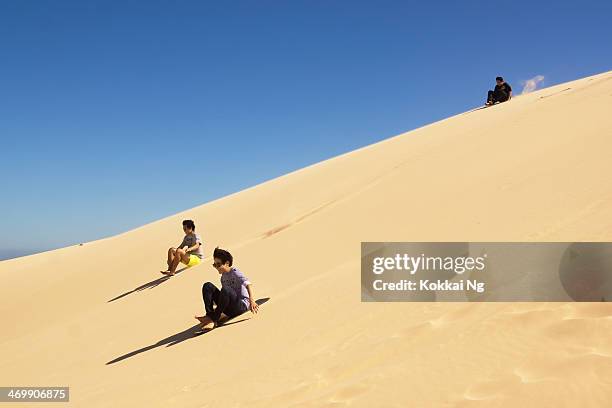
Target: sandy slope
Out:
[537,168]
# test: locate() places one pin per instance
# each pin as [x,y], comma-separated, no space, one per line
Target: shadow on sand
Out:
[180,337]
[148,285]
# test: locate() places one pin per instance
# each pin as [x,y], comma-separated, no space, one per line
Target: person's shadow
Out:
[148,285]
[193,331]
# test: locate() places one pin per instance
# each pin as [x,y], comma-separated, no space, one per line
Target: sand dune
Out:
[98,319]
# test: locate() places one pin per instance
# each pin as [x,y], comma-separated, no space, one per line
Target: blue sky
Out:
[110,111]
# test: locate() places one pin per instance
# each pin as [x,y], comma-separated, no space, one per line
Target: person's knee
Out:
[208,286]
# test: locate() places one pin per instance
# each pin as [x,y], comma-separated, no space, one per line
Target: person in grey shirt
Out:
[189,252]
[235,296]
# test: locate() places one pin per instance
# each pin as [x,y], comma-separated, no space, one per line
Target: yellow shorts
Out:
[193,261]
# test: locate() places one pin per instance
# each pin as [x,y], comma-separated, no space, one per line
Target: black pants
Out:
[493,97]
[225,299]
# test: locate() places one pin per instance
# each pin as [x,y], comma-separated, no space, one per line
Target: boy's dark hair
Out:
[223,255]
[499,79]
[189,224]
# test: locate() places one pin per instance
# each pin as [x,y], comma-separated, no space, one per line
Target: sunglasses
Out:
[217,265]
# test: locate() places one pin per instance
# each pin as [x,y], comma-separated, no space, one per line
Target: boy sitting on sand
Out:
[235,296]
[188,252]
[501,93]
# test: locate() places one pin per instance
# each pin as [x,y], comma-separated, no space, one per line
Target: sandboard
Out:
[224,320]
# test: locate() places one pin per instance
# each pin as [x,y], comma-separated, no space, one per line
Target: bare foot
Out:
[167,273]
[206,322]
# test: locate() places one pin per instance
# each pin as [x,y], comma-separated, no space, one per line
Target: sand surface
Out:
[539,168]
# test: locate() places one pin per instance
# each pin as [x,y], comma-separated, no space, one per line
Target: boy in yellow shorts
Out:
[189,252]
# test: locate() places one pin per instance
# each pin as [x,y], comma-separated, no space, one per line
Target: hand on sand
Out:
[254,306]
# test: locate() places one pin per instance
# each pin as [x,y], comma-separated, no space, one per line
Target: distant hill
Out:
[16,253]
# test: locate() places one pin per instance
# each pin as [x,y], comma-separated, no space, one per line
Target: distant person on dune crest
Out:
[188,252]
[235,296]
[501,93]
